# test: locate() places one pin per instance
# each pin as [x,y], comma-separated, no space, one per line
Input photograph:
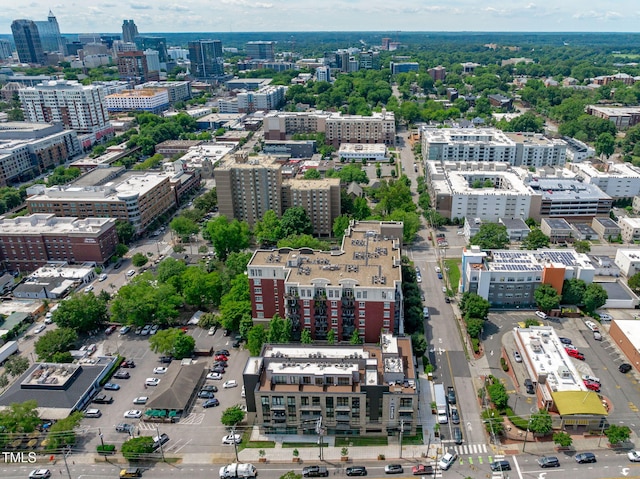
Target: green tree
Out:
[494,422]
[19,417]
[200,288]
[474,327]
[303,241]
[573,291]
[236,303]
[139,259]
[184,346]
[207,201]
[144,300]
[547,298]
[63,432]
[541,423]
[473,305]
[348,174]
[605,144]
[125,231]
[562,439]
[279,331]
[137,448]
[170,271]
[172,342]
[16,365]
[491,236]
[61,339]
[582,246]
[184,227]
[121,250]
[291,474]
[340,224]
[634,282]
[536,239]
[419,344]
[82,312]
[268,230]
[617,434]
[312,174]
[295,221]
[232,416]
[498,394]
[305,337]
[361,210]
[331,337]
[355,337]
[255,339]
[228,236]
[237,263]
[594,297]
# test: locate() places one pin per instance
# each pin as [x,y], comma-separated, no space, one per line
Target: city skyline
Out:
[357,15]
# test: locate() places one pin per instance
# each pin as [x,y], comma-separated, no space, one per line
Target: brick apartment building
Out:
[358,288]
[29,242]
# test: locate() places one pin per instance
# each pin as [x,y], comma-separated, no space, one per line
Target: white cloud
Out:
[140,6]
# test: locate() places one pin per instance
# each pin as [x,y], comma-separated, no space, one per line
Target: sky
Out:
[105,16]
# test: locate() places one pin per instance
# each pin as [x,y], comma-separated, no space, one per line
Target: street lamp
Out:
[526,434]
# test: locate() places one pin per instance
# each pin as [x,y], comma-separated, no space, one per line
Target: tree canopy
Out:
[536,239]
[232,416]
[228,236]
[491,236]
[547,298]
[82,312]
[172,342]
[55,341]
[594,297]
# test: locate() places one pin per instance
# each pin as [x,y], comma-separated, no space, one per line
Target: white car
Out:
[244,393]
[141,400]
[444,289]
[438,270]
[212,330]
[591,325]
[606,317]
[634,456]
[419,278]
[214,376]
[231,438]
[586,377]
[133,414]
[152,381]
[40,474]
[154,329]
[447,460]
[541,314]
[159,370]
[40,328]
[130,273]
[232,383]
[88,289]
[102,277]
[517,356]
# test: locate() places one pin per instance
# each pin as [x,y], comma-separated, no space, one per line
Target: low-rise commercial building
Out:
[618,180]
[28,242]
[517,229]
[622,117]
[557,229]
[628,260]
[508,278]
[557,382]
[605,227]
[629,229]
[354,390]
[626,334]
[151,100]
[359,152]
[135,196]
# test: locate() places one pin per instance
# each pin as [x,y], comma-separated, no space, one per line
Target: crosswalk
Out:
[467,449]
[498,474]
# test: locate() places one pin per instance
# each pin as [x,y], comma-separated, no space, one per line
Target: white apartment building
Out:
[359,151]
[487,191]
[577,151]
[177,90]
[629,229]
[153,100]
[265,99]
[628,260]
[618,180]
[78,107]
[492,145]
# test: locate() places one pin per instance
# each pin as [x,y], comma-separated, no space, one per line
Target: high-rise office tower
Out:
[158,44]
[27,40]
[132,66]
[206,59]
[129,31]
[5,49]
[260,50]
[49,32]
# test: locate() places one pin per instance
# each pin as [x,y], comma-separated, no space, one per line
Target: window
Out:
[387,305]
[361,313]
[277,401]
[387,314]
[361,304]
[258,299]
[257,290]
[304,401]
[306,303]
[315,401]
[259,307]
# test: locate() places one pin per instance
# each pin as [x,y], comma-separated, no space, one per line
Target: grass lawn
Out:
[361,441]
[257,444]
[416,440]
[454,273]
[301,444]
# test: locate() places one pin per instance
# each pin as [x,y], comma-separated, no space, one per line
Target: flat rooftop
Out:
[612,170]
[321,183]
[142,92]
[512,260]
[468,136]
[615,291]
[616,110]
[457,178]
[631,329]
[564,189]
[549,360]
[632,222]
[210,151]
[374,148]
[557,223]
[42,223]
[606,222]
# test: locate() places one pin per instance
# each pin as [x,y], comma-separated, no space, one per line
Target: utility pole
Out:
[160,441]
[235,444]
[64,457]
[401,432]
[319,431]
[102,442]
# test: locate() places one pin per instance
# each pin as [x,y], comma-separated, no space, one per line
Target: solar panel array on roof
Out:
[564,257]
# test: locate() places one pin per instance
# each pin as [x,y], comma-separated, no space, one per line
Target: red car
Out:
[592,385]
[110,330]
[421,470]
[220,357]
[575,354]
[128,363]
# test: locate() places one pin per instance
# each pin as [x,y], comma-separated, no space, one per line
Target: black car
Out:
[103,399]
[625,368]
[165,359]
[500,466]
[210,403]
[356,471]
[457,435]
[209,387]
[565,340]
[220,364]
[122,375]
[455,416]
[206,395]
[224,352]
[446,299]
[128,363]
[315,471]
[548,461]
[235,345]
[585,457]
[227,332]
[218,369]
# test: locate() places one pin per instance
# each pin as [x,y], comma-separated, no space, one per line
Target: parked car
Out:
[210,403]
[212,330]
[102,399]
[152,381]
[457,435]
[356,471]
[594,379]
[93,413]
[634,456]
[145,330]
[218,369]
[130,273]
[447,460]
[585,457]
[232,438]
[206,395]
[575,354]
[224,352]
[422,469]
[221,364]
[209,387]
[593,386]
[128,363]
[220,357]
[40,474]
[447,299]
[591,325]
[133,414]
[451,395]
[393,469]
[125,329]
[102,277]
[565,340]
[439,275]
[502,465]
[231,383]
[88,289]
[214,376]
[111,387]
[455,416]
[243,394]
[606,317]
[154,329]
[138,330]
[597,335]
[548,461]
[122,375]
[141,400]
[625,368]
[528,385]
[159,370]
[165,359]
[40,328]
[315,471]
[124,427]
[517,357]
[541,314]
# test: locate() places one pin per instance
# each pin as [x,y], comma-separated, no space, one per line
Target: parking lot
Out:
[181,434]
[602,359]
